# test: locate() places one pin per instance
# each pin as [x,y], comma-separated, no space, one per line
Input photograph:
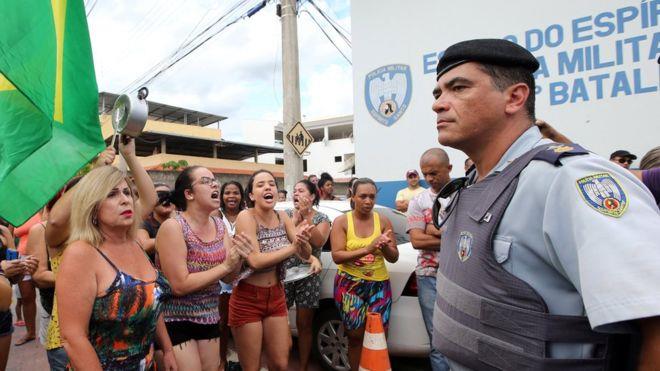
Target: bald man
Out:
[424,237]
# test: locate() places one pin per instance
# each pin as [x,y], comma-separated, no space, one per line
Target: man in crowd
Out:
[548,251]
[623,158]
[404,196]
[424,237]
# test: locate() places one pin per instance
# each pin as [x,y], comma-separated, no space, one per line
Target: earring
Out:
[95,221]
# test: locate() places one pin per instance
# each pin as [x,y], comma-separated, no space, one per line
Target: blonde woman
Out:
[57,233]
[110,296]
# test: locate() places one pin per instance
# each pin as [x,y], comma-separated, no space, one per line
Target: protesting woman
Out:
[361,242]
[257,308]
[305,293]
[195,252]
[231,204]
[110,296]
[58,227]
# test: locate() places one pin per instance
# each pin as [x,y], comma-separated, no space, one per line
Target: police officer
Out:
[548,251]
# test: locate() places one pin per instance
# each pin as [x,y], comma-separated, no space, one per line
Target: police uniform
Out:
[539,267]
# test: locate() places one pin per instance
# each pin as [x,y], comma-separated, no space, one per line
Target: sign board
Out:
[598,83]
[299,138]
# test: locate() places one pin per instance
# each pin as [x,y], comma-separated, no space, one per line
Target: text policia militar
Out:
[602,56]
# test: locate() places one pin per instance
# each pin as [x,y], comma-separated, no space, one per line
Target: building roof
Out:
[164,112]
[188,140]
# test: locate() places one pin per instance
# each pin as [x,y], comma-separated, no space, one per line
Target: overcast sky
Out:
[236,74]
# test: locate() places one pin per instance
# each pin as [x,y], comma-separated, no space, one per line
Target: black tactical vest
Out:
[485,318]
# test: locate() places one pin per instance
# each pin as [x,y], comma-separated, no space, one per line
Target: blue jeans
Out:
[57,359]
[426,295]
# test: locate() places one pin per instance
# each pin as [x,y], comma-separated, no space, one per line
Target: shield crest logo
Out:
[387,92]
[464,246]
[604,194]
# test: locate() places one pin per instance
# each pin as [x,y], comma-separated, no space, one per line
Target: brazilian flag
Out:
[49,124]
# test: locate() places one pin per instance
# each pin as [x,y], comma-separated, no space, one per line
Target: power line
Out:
[333,23]
[327,36]
[188,47]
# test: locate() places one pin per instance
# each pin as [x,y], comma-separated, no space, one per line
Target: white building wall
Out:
[321,157]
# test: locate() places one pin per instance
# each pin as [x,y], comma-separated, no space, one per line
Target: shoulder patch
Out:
[604,194]
[553,153]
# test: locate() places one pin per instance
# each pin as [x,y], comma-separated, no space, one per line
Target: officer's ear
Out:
[516,97]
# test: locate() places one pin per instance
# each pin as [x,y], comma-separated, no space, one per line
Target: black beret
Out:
[491,51]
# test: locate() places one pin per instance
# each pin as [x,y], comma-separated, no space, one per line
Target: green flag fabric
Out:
[49,124]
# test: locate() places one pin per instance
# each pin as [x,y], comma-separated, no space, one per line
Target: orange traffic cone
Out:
[374,355]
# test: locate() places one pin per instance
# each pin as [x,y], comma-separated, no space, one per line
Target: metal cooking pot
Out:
[129,114]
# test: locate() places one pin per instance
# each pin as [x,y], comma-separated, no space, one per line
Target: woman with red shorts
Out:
[257,307]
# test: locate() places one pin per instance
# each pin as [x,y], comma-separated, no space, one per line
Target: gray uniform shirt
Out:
[579,259]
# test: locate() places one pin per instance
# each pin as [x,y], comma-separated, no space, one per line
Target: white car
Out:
[406,335]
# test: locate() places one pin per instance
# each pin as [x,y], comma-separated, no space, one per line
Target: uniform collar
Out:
[529,139]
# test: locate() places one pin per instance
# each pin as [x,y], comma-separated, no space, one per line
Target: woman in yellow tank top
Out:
[361,242]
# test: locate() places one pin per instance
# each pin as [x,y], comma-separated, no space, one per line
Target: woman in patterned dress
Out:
[109,294]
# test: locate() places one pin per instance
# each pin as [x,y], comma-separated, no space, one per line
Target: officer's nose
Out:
[440,104]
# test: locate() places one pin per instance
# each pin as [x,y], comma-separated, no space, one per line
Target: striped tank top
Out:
[201,306]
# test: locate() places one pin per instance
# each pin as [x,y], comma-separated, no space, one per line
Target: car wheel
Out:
[330,341]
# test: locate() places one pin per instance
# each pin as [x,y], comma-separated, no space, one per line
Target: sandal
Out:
[24,341]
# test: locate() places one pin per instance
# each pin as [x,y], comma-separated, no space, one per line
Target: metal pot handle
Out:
[143,93]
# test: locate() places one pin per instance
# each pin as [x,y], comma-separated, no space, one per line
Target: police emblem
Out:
[387,92]
[604,194]
[464,246]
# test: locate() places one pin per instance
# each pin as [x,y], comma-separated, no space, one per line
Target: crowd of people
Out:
[137,275]
[520,262]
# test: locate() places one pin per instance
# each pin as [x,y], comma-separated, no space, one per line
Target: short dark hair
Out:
[312,190]
[503,77]
[325,177]
[241,205]
[250,186]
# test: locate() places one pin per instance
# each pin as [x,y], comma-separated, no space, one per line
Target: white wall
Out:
[624,116]
[321,157]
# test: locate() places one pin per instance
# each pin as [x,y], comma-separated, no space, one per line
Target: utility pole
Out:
[293,169]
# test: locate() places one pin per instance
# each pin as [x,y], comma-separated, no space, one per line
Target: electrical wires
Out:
[242,9]
[345,36]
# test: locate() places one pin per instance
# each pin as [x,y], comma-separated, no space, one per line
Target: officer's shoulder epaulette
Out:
[556,151]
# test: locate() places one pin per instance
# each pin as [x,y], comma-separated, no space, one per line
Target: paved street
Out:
[32,357]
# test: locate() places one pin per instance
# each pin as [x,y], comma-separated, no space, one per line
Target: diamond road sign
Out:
[299,138]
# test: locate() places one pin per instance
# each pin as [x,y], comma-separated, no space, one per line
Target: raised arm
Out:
[145,186]
[173,255]
[36,246]
[57,229]
[76,290]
